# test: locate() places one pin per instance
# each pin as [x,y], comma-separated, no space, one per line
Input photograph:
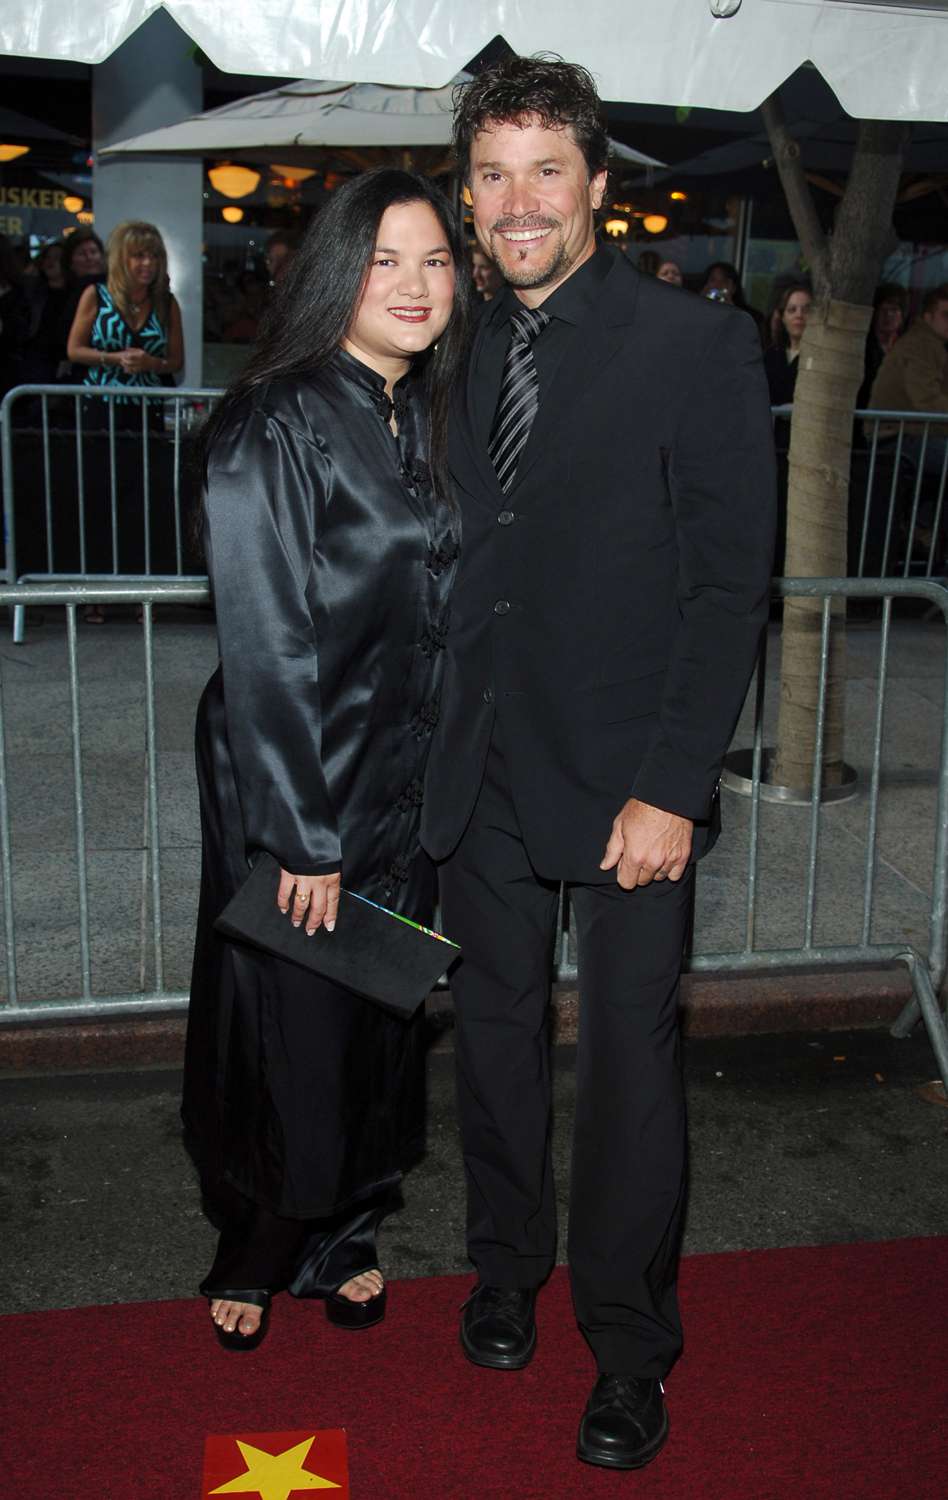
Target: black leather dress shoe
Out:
[498,1328]
[625,1422]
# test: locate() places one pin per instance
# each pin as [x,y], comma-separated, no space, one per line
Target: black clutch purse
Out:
[373,951]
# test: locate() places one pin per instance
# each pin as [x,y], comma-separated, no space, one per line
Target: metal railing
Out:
[898,520]
[926,969]
[93,476]
[898,514]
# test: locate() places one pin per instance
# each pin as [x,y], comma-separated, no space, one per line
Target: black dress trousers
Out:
[628,1176]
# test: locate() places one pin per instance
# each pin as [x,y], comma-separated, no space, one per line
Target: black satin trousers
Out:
[260,1250]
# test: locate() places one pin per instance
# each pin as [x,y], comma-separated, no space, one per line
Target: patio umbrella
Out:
[297,119]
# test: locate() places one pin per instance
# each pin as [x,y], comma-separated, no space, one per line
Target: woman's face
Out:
[795,315]
[142,267]
[408,295]
[888,320]
[670,271]
[51,264]
[87,259]
[485,275]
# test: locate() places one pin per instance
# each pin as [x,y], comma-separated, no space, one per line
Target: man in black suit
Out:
[613,463]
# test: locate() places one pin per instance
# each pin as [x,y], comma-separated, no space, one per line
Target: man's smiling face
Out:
[534,203]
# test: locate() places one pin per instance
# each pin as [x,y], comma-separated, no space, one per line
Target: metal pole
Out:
[75,728]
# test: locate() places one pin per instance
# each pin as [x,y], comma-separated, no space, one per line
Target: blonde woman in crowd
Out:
[127,329]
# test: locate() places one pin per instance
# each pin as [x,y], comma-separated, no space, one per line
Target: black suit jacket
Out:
[608,609]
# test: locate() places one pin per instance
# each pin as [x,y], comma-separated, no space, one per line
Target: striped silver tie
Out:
[519,395]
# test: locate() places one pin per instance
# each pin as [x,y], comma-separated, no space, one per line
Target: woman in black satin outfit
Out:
[331,542]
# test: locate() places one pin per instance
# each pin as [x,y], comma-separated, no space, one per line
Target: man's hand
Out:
[647,843]
[315,900]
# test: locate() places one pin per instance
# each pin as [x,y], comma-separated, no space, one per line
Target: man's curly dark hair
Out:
[557,93]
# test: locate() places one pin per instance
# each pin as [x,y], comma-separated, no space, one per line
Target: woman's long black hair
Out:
[314,304]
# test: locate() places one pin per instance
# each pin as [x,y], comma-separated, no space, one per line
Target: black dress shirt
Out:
[567,309]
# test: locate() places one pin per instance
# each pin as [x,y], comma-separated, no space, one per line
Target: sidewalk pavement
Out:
[794,1140]
[34,680]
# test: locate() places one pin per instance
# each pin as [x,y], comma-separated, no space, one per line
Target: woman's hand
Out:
[133,360]
[315,899]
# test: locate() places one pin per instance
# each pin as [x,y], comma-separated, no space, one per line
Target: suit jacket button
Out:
[488,695]
[505,517]
[502,607]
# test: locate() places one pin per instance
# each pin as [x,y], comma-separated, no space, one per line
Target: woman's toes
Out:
[231,1315]
[250,1319]
[357,1289]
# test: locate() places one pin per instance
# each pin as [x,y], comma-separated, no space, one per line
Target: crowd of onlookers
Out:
[79,311]
[905,364]
[82,312]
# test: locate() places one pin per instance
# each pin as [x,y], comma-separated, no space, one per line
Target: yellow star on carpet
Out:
[274,1476]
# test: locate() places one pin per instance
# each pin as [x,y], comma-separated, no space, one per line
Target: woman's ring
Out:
[301,895]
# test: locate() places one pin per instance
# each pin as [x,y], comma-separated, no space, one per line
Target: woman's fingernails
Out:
[330,926]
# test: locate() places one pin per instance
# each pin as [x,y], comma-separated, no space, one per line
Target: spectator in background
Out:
[278,255]
[781,359]
[83,265]
[913,376]
[83,258]
[722,283]
[45,359]
[485,275]
[890,305]
[648,262]
[14,317]
[127,330]
[670,271]
[243,325]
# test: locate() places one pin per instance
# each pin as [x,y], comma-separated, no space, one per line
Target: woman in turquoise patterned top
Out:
[127,331]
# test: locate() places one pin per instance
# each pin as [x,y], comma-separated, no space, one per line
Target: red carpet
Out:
[808,1373]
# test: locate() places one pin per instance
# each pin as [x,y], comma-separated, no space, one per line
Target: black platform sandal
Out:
[342,1312]
[238,1340]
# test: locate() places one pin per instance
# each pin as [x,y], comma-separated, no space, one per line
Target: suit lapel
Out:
[598,342]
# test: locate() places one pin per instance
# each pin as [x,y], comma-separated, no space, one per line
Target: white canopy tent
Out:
[298,118]
[883,58]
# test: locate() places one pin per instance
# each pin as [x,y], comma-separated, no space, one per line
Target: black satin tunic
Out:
[331,565]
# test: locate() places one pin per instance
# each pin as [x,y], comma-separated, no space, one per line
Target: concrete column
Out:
[152,80]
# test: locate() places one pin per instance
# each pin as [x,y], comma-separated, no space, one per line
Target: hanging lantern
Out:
[73,204]
[678,196]
[10,153]
[232,214]
[296,174]
[86,218]
[655,223]
[232,181]
[616,227]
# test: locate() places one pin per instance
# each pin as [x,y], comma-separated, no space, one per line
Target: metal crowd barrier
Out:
[898,521]
[926,969]
[99,502]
